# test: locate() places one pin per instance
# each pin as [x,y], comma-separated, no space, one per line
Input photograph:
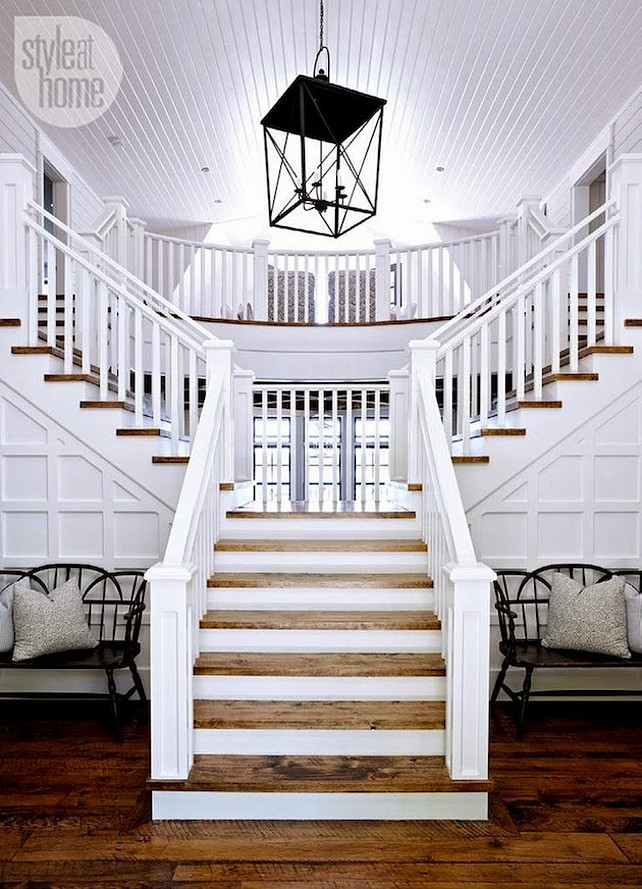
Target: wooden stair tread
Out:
[499,432]
[214,663]
[320,620]
[170,460]
[331,510]
[10,322]
[321,546]
[533,405]
[325,715]
[320,774]
[464,459]
[107,405]
[347,581]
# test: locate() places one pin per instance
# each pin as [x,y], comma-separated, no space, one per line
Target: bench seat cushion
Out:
[47,624]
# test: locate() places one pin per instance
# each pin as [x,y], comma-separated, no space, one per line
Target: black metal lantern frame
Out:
[322,156]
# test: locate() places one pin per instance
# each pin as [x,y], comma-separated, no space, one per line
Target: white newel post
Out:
[399,381]
[136,259]
[260,279]
[171,670]
[468,624]
[220,355]
[624,254]
[423,358]
[524,207]
[119,206]
[16,188]
[382,279]
[504,258]
[243,414]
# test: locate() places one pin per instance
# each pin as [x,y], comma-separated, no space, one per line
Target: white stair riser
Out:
[308,742]
[317,598]
[321,529]
[320,688]
[186,805]
[322,563]
[320,640]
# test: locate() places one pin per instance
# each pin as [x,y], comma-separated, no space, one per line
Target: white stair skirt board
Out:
[195,805]
[321,742]
[320,688]
[321,563]
[320,640]
[318,599]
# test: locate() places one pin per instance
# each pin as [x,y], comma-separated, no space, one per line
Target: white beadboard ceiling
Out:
[504,94]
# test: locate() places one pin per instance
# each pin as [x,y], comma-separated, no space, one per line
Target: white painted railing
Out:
[178,595]
[535,322]
[308,287]
[114,330]
[461,584]
[320,442]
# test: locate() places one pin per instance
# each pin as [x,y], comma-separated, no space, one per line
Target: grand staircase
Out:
[320,687]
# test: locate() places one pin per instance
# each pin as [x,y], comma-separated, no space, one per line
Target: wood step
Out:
[107,405]
[490,432]
[324,715]
[345,581]
[10,322]
[633,322]
[170,461]
[462,460]
[321,546]
[320,774]
[533,405]
[605,350]
[378,664]
[319,620]
[331,510]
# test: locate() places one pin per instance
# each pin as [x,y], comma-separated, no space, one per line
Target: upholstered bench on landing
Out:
[72,617]
[566,615]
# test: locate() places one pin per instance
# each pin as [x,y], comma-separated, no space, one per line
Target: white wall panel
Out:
[60,500]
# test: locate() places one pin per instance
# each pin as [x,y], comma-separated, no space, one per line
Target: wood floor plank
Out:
[363,715]
[344,581]
[319,664]
[320,620]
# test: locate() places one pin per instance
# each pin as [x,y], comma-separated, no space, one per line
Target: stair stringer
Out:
[511,457]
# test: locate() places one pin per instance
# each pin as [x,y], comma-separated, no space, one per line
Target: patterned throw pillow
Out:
[591,618]
[6,613]
[47,624]
[633,618]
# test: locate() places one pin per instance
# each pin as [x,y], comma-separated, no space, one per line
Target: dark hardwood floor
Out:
[566,812]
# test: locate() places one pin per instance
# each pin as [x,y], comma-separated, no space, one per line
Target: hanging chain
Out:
[324,74]
[321,15]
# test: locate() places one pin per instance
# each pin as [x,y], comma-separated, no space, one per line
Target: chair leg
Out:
[526,690]
[499,681]
[113,694]
[138,682]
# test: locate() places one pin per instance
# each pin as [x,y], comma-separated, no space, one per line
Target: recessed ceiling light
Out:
[218,201]
[114,141]
[440,169]
[205,169]
[426,200]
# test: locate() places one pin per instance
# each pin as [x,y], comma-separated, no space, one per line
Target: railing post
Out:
[260,248]
[119,205]
[136,259]
[219,355]
[423,361]
[399,408]
[16,188]
[524,207]
[622,263]
[467,657]
[243,413]
[171,670]
[504,258]
[382,279]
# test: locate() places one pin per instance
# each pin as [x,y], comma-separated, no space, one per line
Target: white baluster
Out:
[574,321]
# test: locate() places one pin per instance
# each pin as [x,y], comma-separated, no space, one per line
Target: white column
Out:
[524,207]
[467,669]
[243,412]
[382,279]
[423,357]
[260,248]
[220,354]
[626,253]
[136,261]
[399,427]
[16,188]
[171,670]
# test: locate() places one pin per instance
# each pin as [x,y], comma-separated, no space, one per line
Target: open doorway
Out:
[589,193]
[55,200]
